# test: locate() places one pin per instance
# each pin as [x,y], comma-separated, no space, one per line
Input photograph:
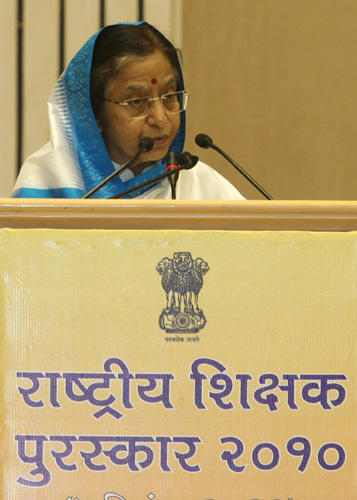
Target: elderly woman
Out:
[125,84]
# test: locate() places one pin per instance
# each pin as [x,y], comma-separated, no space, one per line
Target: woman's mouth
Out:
[160,140]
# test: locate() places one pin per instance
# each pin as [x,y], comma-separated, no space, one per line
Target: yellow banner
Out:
[178,365]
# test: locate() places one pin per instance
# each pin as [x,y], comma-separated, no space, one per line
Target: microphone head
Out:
[172,160]
[146,144]
[187,161]
[203,141]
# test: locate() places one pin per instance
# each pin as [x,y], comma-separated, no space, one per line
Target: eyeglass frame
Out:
[184,93]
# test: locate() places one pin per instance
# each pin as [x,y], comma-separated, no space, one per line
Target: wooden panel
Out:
[158,13]
[81,21]
[166,214]
[121,11]
[41,56]
[274,83]
[177,9]
[8,97]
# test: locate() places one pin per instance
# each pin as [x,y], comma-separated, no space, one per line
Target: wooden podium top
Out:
[179,214]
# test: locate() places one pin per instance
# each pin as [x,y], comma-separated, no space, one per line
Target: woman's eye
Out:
[170,100]
[170,96]
[136,103]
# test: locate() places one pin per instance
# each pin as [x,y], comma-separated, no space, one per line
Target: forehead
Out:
[152,70]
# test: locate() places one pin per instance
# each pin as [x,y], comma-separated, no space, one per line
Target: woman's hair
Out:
[119,44]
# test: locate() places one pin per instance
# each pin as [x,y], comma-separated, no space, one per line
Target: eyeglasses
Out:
[139,107]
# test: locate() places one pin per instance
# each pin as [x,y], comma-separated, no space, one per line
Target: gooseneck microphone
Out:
[185,161]
[146,144]
[204,141]
[172,161]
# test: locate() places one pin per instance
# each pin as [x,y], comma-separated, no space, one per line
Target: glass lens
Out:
[172,102]
[139,107]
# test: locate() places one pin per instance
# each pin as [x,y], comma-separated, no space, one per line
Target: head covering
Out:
[76,160]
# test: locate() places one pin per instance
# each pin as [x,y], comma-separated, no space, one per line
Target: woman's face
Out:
[151,76]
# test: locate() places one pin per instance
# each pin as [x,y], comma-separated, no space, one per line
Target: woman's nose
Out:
[157,111]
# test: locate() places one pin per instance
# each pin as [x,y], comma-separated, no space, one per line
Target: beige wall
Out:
[273,82]
[7,95]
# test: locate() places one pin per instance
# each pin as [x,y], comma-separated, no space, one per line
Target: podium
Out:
[178,350]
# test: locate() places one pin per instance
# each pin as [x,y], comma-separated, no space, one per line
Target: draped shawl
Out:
[76,159]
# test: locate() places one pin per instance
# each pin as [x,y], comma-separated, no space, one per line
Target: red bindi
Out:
[154,81]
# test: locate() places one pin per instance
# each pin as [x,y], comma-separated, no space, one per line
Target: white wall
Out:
[7,96]
[41,61]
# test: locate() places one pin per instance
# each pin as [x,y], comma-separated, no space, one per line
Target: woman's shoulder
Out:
[202,182]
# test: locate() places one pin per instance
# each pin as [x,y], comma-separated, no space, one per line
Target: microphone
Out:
[172,161]
[186,161]
[204,141]
[146,144]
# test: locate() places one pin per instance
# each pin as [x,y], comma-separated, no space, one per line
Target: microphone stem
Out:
[242,171]
[173,180]
[113,174]
[155,179]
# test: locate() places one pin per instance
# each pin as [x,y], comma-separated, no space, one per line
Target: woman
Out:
[123,85]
